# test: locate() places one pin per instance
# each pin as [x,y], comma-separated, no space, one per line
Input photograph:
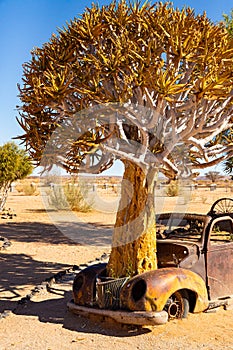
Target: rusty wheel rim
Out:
[224,205]
[175,306]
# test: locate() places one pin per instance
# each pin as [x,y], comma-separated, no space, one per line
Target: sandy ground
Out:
[39,249]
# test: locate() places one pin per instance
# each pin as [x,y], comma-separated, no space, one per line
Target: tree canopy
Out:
[14,165]
[228,20]
[228,135]
[213,176]
[175,64]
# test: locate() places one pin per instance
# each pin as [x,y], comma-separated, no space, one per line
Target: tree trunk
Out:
[134,237]
[3,195]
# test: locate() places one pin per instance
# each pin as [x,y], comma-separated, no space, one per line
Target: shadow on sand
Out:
[71,233]
[19,271]
[55,311]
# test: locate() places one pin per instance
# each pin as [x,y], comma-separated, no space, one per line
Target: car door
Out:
[219,258]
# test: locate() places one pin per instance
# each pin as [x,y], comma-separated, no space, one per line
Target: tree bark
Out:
[3,194]
[134,238]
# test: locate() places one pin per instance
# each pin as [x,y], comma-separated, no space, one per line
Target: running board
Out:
[227,303]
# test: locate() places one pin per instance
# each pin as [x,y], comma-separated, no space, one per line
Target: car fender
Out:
[150,290]
[84,284]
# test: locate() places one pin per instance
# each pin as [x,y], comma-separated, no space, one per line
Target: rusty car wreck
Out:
[195,260]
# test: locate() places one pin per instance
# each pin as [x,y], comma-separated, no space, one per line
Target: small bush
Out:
[69,197]
[57,199]
[76,197]
[173,189]
[26,189]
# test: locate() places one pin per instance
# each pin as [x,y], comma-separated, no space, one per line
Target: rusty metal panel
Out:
[84,286]
[219,257]
[141,318]
[180,254]
[219,270]
[151,290]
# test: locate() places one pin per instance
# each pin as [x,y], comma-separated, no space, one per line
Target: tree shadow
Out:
[87,234]
[33,232]
[20,274]
[39,210]
[55,311]
[71,233]
[19,271]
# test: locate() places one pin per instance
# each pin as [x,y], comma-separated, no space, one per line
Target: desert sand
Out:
[40,248]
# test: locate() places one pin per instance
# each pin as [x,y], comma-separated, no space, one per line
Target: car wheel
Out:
[222,206]
[177,305]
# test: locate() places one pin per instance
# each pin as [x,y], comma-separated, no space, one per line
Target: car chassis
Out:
[195,260]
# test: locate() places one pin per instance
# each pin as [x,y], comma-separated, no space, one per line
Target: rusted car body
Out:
[195,261]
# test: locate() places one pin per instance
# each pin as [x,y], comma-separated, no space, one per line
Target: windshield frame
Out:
[179,217]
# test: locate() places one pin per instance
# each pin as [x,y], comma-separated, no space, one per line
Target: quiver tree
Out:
[213,176]
[14,165]
[227,135]
[149,85]
[228,22]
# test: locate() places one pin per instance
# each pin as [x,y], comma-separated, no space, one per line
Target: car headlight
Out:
[139,290]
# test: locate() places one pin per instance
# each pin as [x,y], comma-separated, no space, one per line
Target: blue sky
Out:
[26,24]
